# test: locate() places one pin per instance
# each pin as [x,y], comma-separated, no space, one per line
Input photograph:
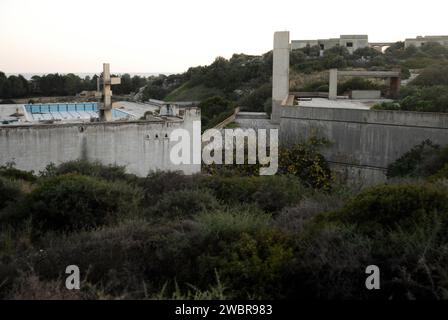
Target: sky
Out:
[43,36]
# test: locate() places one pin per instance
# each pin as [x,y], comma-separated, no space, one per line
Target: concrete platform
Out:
[342,103]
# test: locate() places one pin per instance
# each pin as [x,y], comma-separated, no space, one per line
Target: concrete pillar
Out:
[280,73]
[394,87]
[333,84]
[106,105]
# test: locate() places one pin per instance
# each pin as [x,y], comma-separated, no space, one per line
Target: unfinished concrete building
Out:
[421,41]
[35,135]
[351,42]
[363,142]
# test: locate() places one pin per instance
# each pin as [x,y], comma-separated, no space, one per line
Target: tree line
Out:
[55,84]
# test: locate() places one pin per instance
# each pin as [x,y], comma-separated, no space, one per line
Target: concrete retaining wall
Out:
[140,146]
[363,142]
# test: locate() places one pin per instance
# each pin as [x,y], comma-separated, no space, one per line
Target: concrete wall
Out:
[364,142]
[140,146]
[419,41]
[357,41]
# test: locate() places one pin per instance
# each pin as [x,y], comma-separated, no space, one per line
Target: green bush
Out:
[387,207]
[270,193]
[304,161]
[157,183]
[421,99]
[9,192]
[73,202]
[357,84]
[432,76]
[255,100]
[182,204]
[441,174]
[422,160]
[87,168]
[250,257]
[113,257]
[10,172]
[330,265]
[215,110]
[413,264]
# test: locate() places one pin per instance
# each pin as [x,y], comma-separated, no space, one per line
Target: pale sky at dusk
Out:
[38,36]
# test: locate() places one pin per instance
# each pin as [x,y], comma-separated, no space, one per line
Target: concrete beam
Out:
[372,74]
[280,73]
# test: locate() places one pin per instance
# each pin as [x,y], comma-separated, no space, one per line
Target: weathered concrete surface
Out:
[363,142]
[280,72]
[366,94]
[333,84]
[254,120]
[141,146]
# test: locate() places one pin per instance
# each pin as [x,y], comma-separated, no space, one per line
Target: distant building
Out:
[421,41]
[351,42]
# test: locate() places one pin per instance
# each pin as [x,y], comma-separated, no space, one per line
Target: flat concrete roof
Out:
[341,103]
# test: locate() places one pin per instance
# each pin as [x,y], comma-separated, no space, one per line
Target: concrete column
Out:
[333,85]
[394,87]
[106,105]
[280,73]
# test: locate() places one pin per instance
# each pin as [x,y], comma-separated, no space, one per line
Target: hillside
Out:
[246,80]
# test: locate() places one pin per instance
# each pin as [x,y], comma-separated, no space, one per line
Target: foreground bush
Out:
[157,183]
[250,257]
[387,207]
[9,192]
[330,264]
[271,193]
[74,202]
[183,204]
[422,160]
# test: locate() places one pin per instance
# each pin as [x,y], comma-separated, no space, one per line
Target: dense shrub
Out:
[386,207]
[305,162]
[10,172]
[271,193]
[421,99]
[441,174]
[330,265]
[422,160]
[295,218]
[255,100]
[112,257]
[73,202]
[413,263]
[215,110]
[87,168]
[357,84]
[250,257]
[302,160]
[157,183]
[182,204]
[432,76]
[9,192]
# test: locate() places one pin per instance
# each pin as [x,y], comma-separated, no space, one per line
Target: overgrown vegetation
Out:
[226,235]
